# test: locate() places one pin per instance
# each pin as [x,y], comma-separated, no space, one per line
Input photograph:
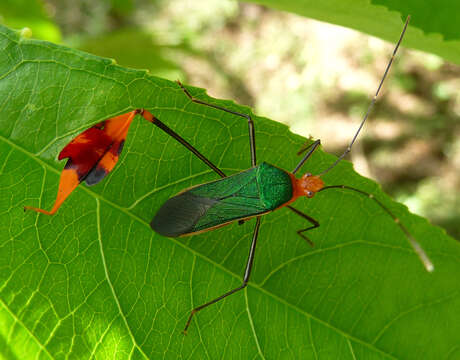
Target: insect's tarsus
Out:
[371,105]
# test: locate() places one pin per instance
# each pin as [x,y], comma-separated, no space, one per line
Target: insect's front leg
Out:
[308,218]
[313,146]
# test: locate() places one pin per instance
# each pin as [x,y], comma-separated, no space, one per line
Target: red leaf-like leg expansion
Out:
[92,155]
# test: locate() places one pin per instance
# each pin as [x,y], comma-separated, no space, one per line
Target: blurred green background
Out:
[315,77]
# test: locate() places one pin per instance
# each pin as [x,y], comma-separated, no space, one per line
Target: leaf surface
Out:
[94,281]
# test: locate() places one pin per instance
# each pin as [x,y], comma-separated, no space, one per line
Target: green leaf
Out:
[94,281]
[433,27]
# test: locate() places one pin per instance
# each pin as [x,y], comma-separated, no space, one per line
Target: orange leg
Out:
[67,184]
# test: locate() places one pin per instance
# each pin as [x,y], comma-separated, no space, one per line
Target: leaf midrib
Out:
[212,262]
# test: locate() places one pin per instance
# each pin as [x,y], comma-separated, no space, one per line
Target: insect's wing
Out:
[188,213]
[179,214]
[210,205]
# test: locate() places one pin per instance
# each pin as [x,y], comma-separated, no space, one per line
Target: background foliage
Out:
[94,281]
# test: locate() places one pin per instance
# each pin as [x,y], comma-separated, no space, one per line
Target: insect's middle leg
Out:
[308,218]
[252,137]
[247,274]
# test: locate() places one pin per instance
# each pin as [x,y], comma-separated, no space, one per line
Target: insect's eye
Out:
[307,174]
[310,194]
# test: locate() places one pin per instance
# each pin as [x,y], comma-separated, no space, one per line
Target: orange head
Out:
[308,185]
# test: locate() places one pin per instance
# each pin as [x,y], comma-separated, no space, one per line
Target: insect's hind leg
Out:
[252,138]
[147,115]
[308,218]
[247,274]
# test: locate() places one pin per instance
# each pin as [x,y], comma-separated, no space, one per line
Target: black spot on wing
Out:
[120,147]
[95,175]
[179,214]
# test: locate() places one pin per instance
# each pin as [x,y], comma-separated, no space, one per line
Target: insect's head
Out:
[310,184]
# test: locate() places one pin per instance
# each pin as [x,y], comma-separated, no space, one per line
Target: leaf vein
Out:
[106,272]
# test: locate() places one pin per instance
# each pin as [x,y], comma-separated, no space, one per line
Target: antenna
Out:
[371,105]
[415,245]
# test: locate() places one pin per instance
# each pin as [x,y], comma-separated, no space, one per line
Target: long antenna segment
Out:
[371,105]
[415,245]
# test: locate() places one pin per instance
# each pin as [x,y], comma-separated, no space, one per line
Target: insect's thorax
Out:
[264,186]
[275,185]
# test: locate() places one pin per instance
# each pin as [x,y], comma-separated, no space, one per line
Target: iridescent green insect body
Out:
[255,192]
